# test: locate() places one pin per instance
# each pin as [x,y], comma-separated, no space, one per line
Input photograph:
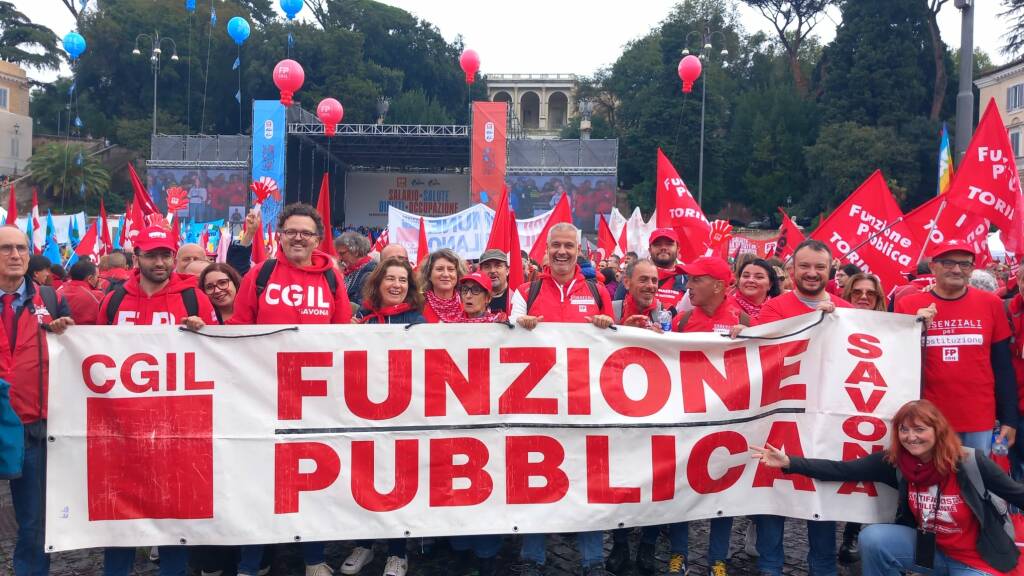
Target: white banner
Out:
[341,432]
[465,232]
[369,194]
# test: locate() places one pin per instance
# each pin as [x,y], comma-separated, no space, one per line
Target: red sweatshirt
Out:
[83,299]
[294,295]
[164,307]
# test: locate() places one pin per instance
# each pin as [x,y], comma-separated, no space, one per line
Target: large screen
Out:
[212,194]
[589,196]
[368,195]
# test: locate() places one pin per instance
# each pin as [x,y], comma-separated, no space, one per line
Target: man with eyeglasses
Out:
[301,286]
[968,371]
[24,316]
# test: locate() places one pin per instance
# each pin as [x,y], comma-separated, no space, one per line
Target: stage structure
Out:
[213,169]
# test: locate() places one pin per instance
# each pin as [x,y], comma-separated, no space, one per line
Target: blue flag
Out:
[116,240]
[52,251]
[73,236]
[238,96]
[213,16]
[238,62]
[71,89]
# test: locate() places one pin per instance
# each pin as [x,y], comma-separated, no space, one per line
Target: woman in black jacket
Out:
[926,463]
[391,296]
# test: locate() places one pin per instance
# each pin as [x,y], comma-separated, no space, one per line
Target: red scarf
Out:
[382,314]
[484,318]
[917,471]
[449,310]
[666,273]
[630,308]
[751,309]
[359,264]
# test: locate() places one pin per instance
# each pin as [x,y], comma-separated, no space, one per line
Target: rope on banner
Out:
[800,331]
[238,336]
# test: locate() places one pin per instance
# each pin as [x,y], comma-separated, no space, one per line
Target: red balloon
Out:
[330,112]
[288,77]
[470,63]
[689,70]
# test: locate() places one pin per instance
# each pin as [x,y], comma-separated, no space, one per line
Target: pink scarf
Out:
[449,310]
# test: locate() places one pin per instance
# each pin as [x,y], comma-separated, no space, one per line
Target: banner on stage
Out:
[465,232]
[269,133]
[369,194]
[489,149]
[314,433]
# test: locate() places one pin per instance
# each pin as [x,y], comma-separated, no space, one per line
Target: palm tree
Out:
[61,170]
[25,42]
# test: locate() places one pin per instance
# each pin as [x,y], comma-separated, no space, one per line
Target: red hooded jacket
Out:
[294,295]
[573,302]
[165,307]
[83,299]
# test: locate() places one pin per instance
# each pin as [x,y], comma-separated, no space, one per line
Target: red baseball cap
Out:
[709,266]
[480,278]
[664,233]
[155,237]
[936,250]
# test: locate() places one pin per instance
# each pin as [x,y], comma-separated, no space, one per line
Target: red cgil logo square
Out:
[150,457]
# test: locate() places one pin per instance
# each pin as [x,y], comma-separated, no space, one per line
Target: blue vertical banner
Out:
[269,133]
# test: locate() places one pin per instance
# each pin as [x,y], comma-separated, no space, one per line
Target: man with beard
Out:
[562,295]
[664,249]
[494,263]
[154,294]
[810,271]
[968,370]
[640,308]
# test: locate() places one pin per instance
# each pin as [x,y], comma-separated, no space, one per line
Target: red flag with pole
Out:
[561,213]
[259,245]
[87,247]
[516,274]
[605,239]
[503,221]
[677,209]
[108,244]
[323,206]
[142,200]
[422,250]
[790,237]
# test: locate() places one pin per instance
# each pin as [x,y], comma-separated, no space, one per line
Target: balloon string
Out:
[206,78]
[67,141]
[679,123]
[188,89]
[239,57]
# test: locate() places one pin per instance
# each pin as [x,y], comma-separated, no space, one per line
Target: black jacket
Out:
[407,317]
[994,545]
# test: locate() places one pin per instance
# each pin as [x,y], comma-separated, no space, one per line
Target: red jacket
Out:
[26,368]
[573,302]
[83,299]
[294,295]
[165,307]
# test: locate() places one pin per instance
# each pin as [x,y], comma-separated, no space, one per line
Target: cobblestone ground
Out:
[439,559]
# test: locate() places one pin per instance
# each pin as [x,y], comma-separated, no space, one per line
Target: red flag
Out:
[500,235]
[422,250]
[259,245]
[134,222]
[12,206]
[87,247]
[37,234]
[790,236]
[516,274]
[108,244]
[323,206]
[560,214]
[677,209]
[623,240]
[868,215]
[987,183]
[605,239]
[176,232]
[142,199]
[953,223]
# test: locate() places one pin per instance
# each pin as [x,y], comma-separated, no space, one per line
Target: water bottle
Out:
[665,319]
[999,447]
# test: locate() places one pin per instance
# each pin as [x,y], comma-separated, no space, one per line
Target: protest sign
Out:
[311,433]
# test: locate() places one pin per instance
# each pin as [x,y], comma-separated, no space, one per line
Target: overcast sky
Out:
[535,36]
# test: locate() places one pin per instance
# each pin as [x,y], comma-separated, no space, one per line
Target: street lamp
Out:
[586,108]
[706,37]
[155,41]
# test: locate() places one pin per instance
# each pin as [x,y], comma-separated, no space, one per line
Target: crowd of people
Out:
[973,367]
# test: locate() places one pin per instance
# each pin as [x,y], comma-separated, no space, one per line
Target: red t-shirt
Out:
[955,527]
[725,317]
[958,375]
[788,306]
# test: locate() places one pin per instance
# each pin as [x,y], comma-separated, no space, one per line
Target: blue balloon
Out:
[190,5]
[74,44]
[238,29]
[291,7]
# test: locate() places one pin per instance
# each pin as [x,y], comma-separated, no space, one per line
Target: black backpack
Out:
[267,268]
[188,298]
[531,296]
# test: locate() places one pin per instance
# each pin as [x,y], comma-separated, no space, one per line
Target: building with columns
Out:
[543,103]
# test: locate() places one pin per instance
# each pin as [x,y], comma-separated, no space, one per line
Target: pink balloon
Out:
[470,63]
[288,77]
[689,70]
[330,112]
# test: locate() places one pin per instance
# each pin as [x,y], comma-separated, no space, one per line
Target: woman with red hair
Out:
[925,462]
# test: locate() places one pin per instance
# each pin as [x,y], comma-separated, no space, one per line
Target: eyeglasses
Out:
[292,233]
[221,284]
[471,289]
[949,264]
[864,293]
[8,249]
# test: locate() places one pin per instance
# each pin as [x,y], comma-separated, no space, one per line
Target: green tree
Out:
[415,107]
[24,42]
[793,21]
[61,171]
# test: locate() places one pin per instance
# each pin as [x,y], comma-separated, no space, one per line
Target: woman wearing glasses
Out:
[865,292]
[475,293]
[220,283]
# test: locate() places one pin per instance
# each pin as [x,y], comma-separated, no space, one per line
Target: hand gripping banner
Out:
[285,434]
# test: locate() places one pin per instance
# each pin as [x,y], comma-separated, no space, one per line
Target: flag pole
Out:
[928,237]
